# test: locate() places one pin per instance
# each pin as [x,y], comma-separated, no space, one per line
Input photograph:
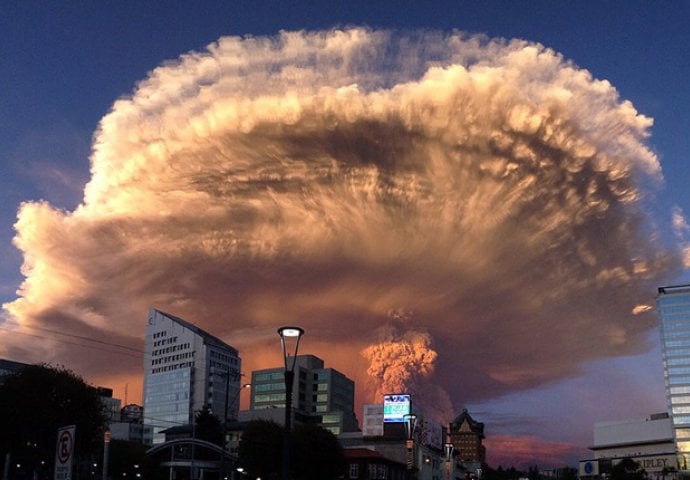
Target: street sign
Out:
[64,453]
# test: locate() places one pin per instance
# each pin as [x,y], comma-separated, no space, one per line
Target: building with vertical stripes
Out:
[185,370]
[673,308]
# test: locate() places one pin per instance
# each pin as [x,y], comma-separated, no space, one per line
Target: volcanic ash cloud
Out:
[327,178]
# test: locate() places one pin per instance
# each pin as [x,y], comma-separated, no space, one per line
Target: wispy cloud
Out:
[528,451]
[679,222]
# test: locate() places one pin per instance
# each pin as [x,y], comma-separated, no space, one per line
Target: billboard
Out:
[395,407]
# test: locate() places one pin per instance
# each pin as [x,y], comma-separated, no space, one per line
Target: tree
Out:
[317,454]
[208,427]
[627,469]
[38,400]
[129,458]
[261,449]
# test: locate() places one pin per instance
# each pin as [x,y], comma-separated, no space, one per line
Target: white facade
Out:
[648,442]
[372,420]
[132,432]
[633,437]
[186,369]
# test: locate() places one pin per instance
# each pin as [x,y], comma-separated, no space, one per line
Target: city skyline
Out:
[480,219]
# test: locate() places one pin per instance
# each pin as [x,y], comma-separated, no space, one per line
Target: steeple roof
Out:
[464,417]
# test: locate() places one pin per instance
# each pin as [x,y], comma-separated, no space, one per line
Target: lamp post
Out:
[106,453]
[225,425]
[227,376]
[234,399]
[288,337]
[410,420]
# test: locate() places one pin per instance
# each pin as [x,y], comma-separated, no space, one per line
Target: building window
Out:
[354,470]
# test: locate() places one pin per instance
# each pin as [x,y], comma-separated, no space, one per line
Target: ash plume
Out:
[403,361]
[327,178]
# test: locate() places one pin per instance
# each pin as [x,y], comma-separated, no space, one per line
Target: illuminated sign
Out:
[395,407]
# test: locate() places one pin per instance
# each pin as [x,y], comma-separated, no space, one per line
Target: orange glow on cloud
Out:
[444,214]
[523,452]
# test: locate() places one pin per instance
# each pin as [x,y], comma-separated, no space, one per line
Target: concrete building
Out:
[111,406]
[367,464]
[132,413]
[388,439]
[372,420]
[132,432]
[673,307]
[649,442]
[467,437]
[320,395]
[131,426]
[186,369]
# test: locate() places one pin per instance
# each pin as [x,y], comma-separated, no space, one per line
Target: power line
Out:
[79,344]
[90,339]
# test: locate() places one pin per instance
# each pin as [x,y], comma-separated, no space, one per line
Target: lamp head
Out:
[290,332]
[449,450]
[410,424]
[290,335]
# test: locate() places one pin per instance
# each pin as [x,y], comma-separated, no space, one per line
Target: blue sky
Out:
[62,66]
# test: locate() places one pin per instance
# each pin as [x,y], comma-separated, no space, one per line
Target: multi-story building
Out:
[367,464]
[320,395]
[467,435]
[384,434]
[648,441]
[130,427]
[132,413]
[111,406]
[185,370]
[673,307]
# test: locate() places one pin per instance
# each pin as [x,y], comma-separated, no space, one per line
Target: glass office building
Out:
[673,307]
[321,395]
[186,369]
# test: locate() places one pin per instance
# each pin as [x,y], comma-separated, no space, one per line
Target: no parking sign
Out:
[64,453]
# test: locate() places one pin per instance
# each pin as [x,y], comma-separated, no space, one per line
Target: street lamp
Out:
[106,453]
[410,420]
[449,457]
[234,399]
[227,374]
[288,337]
[225,423]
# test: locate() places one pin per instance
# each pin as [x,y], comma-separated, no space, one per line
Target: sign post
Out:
[64,453]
